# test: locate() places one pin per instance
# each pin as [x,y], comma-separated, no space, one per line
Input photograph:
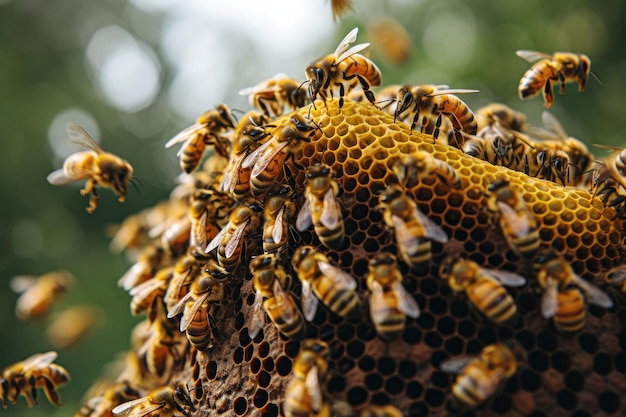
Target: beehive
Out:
[579,374]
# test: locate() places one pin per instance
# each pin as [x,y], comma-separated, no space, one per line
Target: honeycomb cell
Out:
[373,381]
[566,399]
[357,396]
[602,364]
[283,365]
[574,381]
[538,360]
[561,361]
[609,402]
[240,406]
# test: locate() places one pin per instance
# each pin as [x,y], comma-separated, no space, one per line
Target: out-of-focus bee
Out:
[24,377]
[38,294]
[165,401]
[72,325]
[343,69]
[393,42]
[479,377]
[413,230]
[321,207]
[483,287]
[410,169]
[380,411]
[196,320]
[144,268]
[560,67]
[130,234]
[112,395]
[146,295]
[269,158]
[230,240]
[339,7]
[95,165]
[390,303]
[562,298]
[517,223]
[325,282]
[617,277]
[208,206]
[279,209]
[502,115]
[304,396]
[270,282]
[206,131]
[175,238]
[273,95]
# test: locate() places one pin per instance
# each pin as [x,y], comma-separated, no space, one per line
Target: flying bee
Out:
[279,209]
[208,206]
[393,42]
[165,401]
[72,325]
[340,7]
[411,168]
[304,396]
[563,67]
[483,287]
[95,165]
[144,268]
[269,158]
[273,95]
[562,298]
[321,207]
[146,295]
[390,303]
[413,102]
[24,377]
[517,223]
[230,240]
[344,69]
[207,130]
[325,282]
[38,294]
[270,281]
[413,230]
[479,377]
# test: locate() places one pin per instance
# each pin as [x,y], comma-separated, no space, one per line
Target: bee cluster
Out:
[393,238]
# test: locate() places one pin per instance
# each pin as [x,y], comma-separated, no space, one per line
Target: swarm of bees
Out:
[336,253]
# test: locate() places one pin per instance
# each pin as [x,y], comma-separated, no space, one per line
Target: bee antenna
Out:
[136,182]
[389,101]
[594,75]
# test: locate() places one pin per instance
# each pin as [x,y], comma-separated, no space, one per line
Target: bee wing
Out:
[179,306]
[508,278]
[38,360]
[303,221]
[198,232]
[251,159]
[267,157]
[404,236]
[215,242]
[445,91]
[184,135]
[145,410]
[312,383]
[58,177]
[519,225]
[551,123]
[432,230]
[406,303]
[277,231]
[190,311]
[80,139]
[340,277]
[532,56]
[229,179]
[235,239]
[130,277]
[21,283]
[345,42]
[456,365]
[330,210]
[549,300]
[354,50]
[596,295]
[258,317]
[259,89]
[309,301]
[145,287]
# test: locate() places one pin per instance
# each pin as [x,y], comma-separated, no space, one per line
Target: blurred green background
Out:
[136,72]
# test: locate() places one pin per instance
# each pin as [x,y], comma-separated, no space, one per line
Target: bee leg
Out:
[89,185]
[366,90]
[51,392]
[548,97]
[93,201]
[562,80]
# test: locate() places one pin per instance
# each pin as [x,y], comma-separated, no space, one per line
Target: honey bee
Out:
[393,42]
[547,161]
[270,280]
[146,295]
[72,325]
[325,282]
[617,277]
[208,206]
[479,377]
[380,411]
[517,223]
[343,69]
[410,169]
[413,102]
[95,165]
[112,395]
[279,210]
[144,268]
[175,238]
[563,67]
[483,287]
[206,131]
[269,158]
[24,377]
[304,395]
[273,95]
[562,298]
[339,7]
[390,303]
[38,294]
[413,230]
[230,240]
[186,270]
[501,115]
[321,207]
[165,401]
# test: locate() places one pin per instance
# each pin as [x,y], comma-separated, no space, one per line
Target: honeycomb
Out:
[578,374]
